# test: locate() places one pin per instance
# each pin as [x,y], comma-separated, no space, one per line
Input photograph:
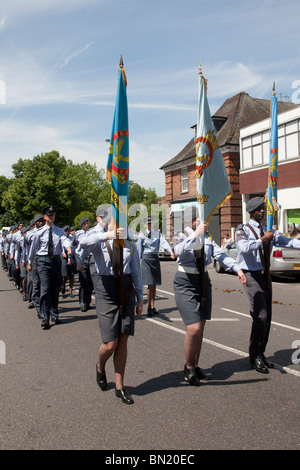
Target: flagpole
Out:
[213,187]
[274,199]
[118,174]
[272,205]
[200,261]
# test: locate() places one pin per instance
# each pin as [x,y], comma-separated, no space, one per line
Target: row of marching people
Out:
[116,307]
[40,259]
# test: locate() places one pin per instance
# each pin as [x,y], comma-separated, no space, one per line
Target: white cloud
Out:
[145,157]
[2,22]
[76,53]
[228,78]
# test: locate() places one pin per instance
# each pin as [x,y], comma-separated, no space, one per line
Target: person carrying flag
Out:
[253,258]
[193,292]
[191,284]
[116,257]
[115,326]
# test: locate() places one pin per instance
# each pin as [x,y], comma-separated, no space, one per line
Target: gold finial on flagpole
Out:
[121,66]
[200,68]
[273,94]
[201,75]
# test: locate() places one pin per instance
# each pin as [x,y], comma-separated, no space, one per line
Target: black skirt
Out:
[151,273]
[111,322]
[187,289]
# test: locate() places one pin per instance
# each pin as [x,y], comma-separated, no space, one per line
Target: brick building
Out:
[236,112]
[254,163]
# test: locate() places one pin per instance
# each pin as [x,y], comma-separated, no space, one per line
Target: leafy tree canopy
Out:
[51,179]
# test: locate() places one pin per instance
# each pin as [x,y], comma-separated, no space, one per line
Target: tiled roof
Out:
[235,113]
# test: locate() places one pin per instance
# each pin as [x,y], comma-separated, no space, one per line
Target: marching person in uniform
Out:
[68,265]
[101,223]
[193,295]
[254,259]
[14,239]
[20,261]
[86,284]
[2,244]
[115,325]
[33,277]
[47,246]
[149,243]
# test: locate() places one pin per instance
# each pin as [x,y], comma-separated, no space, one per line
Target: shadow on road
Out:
[219,374]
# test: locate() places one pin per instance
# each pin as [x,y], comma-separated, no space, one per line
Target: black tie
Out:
[50,243]
[149,235]
[261,230]
[265,244]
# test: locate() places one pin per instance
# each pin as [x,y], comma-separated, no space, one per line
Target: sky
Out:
[59,61]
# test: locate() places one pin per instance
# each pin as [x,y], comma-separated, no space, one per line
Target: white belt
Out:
[186,269]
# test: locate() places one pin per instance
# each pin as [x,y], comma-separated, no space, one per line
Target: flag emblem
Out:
[210,141]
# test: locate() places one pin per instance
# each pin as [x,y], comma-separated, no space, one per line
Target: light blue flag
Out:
[213,187]
[117,171]
[273,167]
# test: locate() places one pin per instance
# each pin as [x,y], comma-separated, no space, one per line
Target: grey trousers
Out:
[260,304]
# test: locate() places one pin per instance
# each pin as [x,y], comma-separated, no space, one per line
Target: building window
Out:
[184,180]
[256,148]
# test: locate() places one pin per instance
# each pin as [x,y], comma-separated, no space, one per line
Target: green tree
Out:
[51,179]
[88,214]
[6,218]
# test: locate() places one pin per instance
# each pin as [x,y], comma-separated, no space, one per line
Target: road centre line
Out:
[221,346]
[243,314]
[166,292]
[272,323]
[212,319]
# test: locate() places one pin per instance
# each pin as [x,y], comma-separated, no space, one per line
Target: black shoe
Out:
[45,325]
[259,366]
[190,376]
[101,378]
[30,305]
[83,308]
[154,311]
[269,365]
[200,374]
[124,395]
[150,312]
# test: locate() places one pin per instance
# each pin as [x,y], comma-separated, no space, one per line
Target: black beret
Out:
[49,210]
[37,218]
[254,203]
[101,213]
[84,219]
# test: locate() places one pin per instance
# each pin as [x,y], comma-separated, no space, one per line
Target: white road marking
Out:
[221,346]
[212,319]
[242,314]
[272,323]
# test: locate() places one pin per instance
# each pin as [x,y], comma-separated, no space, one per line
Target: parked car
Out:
[162,254]
[282,260]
